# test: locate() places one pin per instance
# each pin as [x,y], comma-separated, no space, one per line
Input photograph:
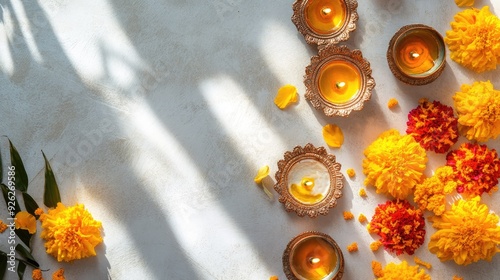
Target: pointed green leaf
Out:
[7,195]
[21,267]
[25,236]
[3,264]
[21,176]
[51,194]
[27,255]
[30,204]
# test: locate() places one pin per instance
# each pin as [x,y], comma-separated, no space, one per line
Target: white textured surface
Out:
[157,114]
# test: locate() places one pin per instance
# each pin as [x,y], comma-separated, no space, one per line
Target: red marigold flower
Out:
[433,125]
[401,226]
[477,169]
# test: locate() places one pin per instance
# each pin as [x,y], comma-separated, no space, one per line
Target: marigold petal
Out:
[286,95]
[25,220]
[262,173]
[333,135]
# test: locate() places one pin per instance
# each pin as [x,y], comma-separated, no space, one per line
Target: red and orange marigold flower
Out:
[477,169]
[433,125]
[400,226]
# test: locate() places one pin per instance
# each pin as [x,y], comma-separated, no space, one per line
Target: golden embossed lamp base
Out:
[313,256]
[338,81]
[325,21]
[416,54]
[309,181]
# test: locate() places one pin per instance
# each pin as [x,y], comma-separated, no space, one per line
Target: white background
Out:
[157,114]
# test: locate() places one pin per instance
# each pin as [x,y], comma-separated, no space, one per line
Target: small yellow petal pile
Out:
[286,94]
[333,135]
[25,220]
[474,39]
[393,102]
[3,226]
[353,247]
[431,194]
[464,3]
[465,234]
[394,164]
[402,270]
[478,109]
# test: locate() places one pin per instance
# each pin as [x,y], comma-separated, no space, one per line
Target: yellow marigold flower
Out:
[286,95]
[393,102]
[38,211]
[464,3]
[37,274]
[400,271]
[362,192]
[394,164]
[348,215]
[422,263]
[71,233]
[377,269]
[478,109]
[3,226]
[467,233]
[350,172]
[362,218]
[474,39]
[431,194]
[25,220]
[333,135]
[353,247]
[58,274]
[374,246]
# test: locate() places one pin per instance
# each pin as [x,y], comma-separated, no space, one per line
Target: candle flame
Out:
[414,55]
[340,85]
[314,260]
[326,11]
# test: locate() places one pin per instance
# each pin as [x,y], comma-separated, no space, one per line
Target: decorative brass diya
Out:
[309,181]
[338,80]
[416,54]
[313,256]
[324,22]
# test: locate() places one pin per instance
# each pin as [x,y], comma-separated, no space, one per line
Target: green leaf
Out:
[21,267]
[27,255]
[21,176]
[30,204]
[3,264]
[8,202]
[24,235]
[51,194]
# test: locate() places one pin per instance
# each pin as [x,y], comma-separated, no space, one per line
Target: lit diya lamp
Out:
[416,54]
[325,21]
[338,80]
[309,181]
[313,256]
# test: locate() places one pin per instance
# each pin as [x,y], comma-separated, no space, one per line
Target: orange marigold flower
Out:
[362,193]
[394,164]
[431,193]
[464,3]
[374,246]
[478,109]
[400,271]
[353,247]
[377,269]
[433,125]
[36,274]
[71,233]
[25,220]
[286,95]
[362,218]
[3,226]
[474,39]
[422,263]
[58,274]
[467,233]
[400,226]
[477,169]
[393,102]
[351,173]
[348,215]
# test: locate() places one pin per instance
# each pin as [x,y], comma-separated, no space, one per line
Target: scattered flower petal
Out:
[455,277]
[362,218]
[374,246]
[286,95]
[58,274]
[351,173]
[36,274]
[464,3]
[25,220]
[393,102]
[353,247]
[377,269]
[362,193]
[348,215]
[333,135]
[422,263]
[38,211]
[3,226]
[261,174]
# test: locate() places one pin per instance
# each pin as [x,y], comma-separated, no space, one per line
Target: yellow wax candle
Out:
[304,191]
[339,81]
[308,181]
[314,258]
[325,16]
[416,52]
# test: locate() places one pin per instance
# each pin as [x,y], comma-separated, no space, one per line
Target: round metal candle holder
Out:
[311,80]
[288,254]
[416,79]
[341,32]
[309,153]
